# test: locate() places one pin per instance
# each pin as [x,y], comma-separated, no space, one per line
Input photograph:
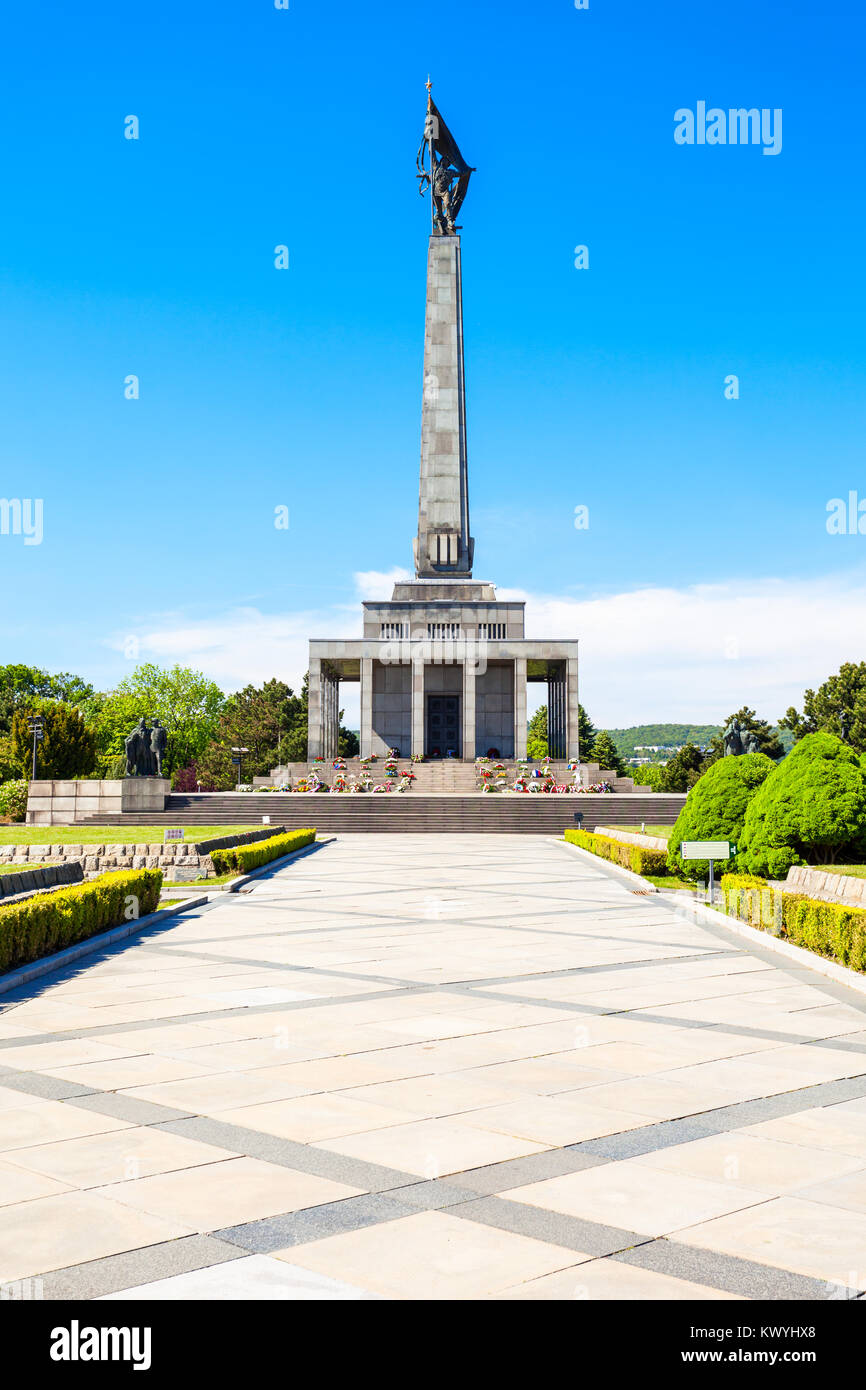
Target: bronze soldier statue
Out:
[158,745]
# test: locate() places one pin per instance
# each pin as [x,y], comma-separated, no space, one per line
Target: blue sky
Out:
[302,388]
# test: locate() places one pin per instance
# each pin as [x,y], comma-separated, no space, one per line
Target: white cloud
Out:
[646,655]
[697,653]
[378,584]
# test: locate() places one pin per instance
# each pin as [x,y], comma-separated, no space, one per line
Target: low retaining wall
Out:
[631,838]
[178,862]
[33,880]
[826,886]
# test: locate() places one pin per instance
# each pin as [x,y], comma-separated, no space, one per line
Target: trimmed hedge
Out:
[829,929]
[634,857]
[243,859]
[49,922]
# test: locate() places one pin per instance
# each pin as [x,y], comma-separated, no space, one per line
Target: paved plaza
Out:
[434,1066]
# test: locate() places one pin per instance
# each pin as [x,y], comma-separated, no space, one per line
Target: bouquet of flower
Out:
[417,757]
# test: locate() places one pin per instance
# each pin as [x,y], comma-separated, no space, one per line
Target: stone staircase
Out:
[408,812]
[452,777]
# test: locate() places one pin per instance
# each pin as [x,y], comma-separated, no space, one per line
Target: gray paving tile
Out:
[151,1262]
[589,1237]
[33,1083]
[724,1272]
[138,1112]
[431,1196]
[305,1158]
[517,1172]
[648,1139]
[314,1223]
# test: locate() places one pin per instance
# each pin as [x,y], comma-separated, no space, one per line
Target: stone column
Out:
[468,709]
[314,710]
[417,707]
[366,706]
[520,707]
[572,735]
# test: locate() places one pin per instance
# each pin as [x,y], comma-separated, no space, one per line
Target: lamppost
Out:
[37,728]
[238,761]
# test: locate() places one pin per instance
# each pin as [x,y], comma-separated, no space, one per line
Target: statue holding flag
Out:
[448,174]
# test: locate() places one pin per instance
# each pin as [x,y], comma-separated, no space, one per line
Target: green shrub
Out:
[48,922]
[634,857]
[716,807]
[244,858]
[811,808]
[829,929]
[13,799]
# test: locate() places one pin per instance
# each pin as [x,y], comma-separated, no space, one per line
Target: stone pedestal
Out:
[69,803]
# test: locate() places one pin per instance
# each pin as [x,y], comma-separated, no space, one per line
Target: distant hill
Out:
[666,735]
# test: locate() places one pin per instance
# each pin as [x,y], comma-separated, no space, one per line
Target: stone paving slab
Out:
[435,1067]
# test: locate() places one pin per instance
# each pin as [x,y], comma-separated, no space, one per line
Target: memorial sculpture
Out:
[738,740]
[448,175]
[145,749]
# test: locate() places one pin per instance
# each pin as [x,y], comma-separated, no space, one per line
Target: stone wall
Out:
[827,886]
[177,861]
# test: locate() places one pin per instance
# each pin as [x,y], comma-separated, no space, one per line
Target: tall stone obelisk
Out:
[443,545]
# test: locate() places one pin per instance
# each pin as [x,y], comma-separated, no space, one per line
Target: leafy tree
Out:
[769,742]
[29,686]
[810,809]
[648,775]
[68,749]
[837,707]
[259,718]
[186,702]
[683,770]
[716,808]
[604,753]
[536,735]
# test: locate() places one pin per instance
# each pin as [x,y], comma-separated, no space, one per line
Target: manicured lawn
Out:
[849,870]
[668,882]
[109,834]
[17,868]
[662,832]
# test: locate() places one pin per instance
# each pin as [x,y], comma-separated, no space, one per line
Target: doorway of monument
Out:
[443,726]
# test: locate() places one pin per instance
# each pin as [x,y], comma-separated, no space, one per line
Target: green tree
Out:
[648,775]
[29,686]
[604,753]
[68,749]
[769,742]
[536,735]
[260,718]
[836,707]
[683,770]
[716,808]
[185,701]
[810,809]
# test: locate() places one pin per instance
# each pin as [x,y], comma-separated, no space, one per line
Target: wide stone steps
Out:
[409,811]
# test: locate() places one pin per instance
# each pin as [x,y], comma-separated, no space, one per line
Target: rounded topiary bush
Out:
[716,807]
[810,810]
